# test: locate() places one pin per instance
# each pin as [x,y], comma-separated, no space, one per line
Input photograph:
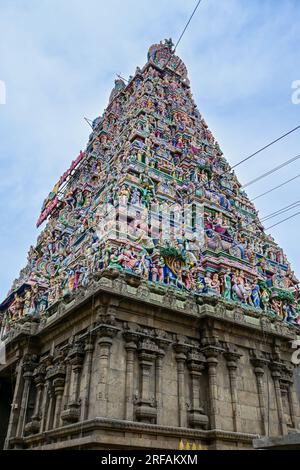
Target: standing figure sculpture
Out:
[256,293]
[226,285]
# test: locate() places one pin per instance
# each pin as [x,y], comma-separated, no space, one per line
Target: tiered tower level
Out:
[151,212]
[186,223]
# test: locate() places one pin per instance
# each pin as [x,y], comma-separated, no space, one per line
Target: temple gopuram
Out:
[154,311]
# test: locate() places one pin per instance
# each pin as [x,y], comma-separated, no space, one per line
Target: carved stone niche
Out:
[146,407]
[196,417]
[33,426]
[76,357]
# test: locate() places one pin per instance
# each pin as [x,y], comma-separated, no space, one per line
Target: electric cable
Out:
[281,211]
[275,187]
[183,32]
[186,26]
[273,170]
[284,220]
[266,146]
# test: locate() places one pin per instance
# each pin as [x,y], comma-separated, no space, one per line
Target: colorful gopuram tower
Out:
[154,310]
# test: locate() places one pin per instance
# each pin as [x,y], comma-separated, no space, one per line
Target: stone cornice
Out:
[211,307]
[136,427]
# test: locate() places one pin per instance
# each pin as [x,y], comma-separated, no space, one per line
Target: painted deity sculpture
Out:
[227,285]
[256,294]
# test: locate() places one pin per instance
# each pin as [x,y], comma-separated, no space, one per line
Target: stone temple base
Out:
[129,365]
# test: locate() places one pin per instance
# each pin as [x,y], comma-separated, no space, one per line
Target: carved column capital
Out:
[29,365]
[58,385]
[76,355]
[131,339]
[287,375]
[276,369]
[212,354]
[39,375]
[163,341]
[259,361]
[147,350]
[106,331]
[181,349]
[232,356]
[89,345]
[196,361]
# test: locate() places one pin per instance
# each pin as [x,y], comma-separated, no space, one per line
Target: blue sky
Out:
[59,59]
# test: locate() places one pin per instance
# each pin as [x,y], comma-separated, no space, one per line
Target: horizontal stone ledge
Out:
[191,308]
[99,424]
[290,441]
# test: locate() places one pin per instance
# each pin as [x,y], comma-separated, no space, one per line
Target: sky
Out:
[58,63]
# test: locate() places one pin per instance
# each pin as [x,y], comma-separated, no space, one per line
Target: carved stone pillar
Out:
[16,404]
[57,375]
[89,348]
[196,416]
[105,340]
[294,419]
[276,368]
[232,358]
[285,404]
[66,395]
[212,354]
[181,356]
[75,356]
[146,410]
[259,363]
[39,379]
[131,340]
[46,398]
[33,427]
[51,406]
[106,330]
[58,386]
[286,383]
[158,380]
[28,368]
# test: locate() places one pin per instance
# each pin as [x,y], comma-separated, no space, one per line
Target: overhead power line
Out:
[284,220]
[248,158]
[266,146]
[273,170]
[186,26]
[276,187]
[182,34]
[281,211]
